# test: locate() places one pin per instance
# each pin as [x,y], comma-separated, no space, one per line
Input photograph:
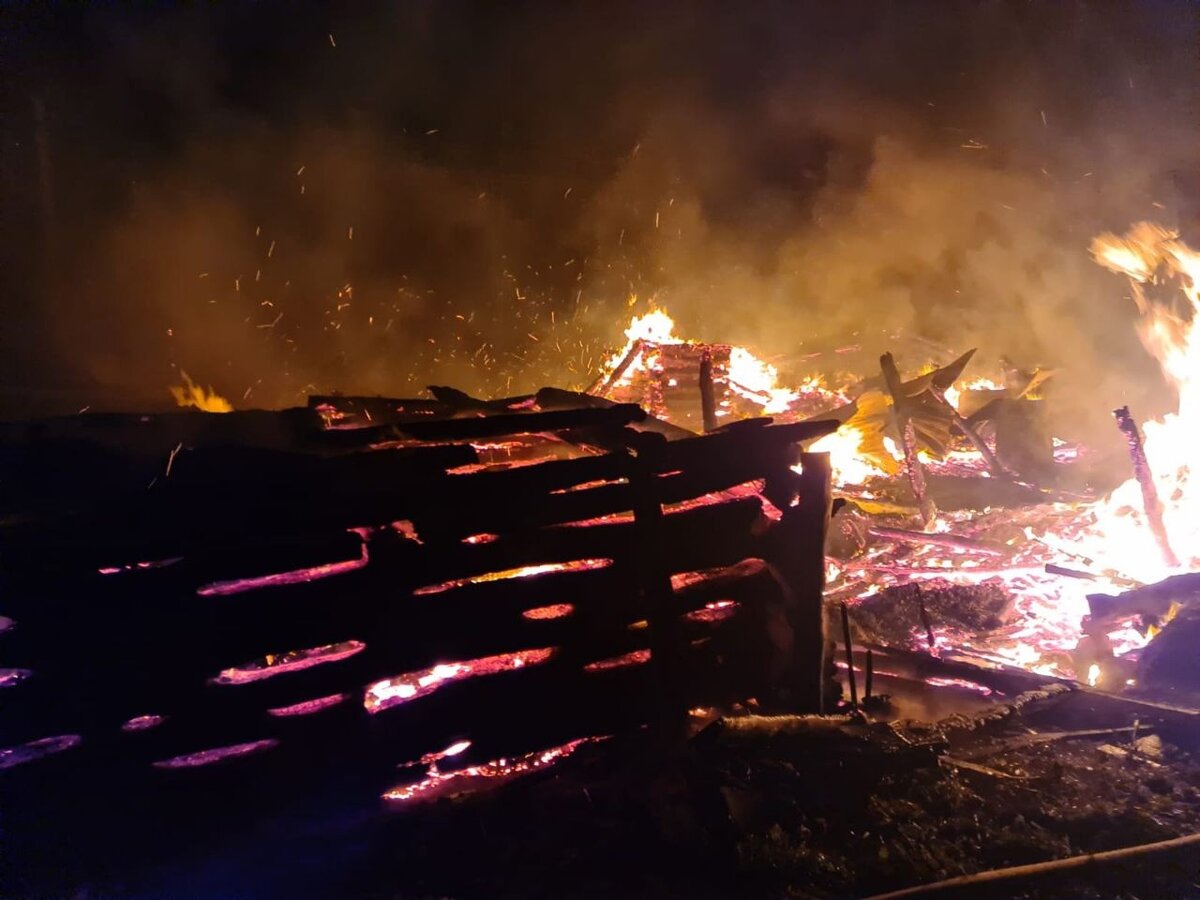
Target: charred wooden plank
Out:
[174,642]
[517,423]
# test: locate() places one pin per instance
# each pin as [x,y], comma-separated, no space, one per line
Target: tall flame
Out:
[1161,269]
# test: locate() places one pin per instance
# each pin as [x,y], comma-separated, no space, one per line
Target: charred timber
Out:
[1152,601]
[189,640]
[708,399]
[380,410]
[1145,480]
[634,350]
[528,423]
[973,436]
[937,540]
[908,439]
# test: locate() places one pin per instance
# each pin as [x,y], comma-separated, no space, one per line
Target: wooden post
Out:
[798,554]
[708,399]
[655,586]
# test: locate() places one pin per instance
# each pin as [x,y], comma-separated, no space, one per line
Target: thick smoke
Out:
[384,196]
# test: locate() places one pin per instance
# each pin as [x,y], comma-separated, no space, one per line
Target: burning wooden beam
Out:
[1145,480]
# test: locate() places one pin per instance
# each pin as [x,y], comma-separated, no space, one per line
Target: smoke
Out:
[280,199]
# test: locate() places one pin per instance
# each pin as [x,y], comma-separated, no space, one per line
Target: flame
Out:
[847,456]
[756,380]
[1153,257]
[656,326]
[954,392]
[190,394]
[1110,538]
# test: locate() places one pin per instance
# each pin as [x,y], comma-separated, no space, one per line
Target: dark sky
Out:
[376,196]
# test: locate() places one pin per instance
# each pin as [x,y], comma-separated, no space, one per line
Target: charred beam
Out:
[1145,480]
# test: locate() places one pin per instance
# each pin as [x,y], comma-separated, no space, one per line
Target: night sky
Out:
[372,197]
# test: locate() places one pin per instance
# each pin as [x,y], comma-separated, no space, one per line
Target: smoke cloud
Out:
[376,197]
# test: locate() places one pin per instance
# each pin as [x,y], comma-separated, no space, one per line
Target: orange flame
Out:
[190,394]
[1154,257]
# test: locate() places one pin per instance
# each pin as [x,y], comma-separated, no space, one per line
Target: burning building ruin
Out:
[871,565]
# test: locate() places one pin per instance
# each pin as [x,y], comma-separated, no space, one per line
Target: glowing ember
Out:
[296,576]
[554,611]
[143,723]
[717,611]
[218,754]
[453,750]
[190,394]
[588,485]
[134,567]
[577,565]
[961,683]
[414,685]
[15,756]
[633,658]
[13,677]
[292,661]
[432,759]
[475,777]
[308,707]
[481,538]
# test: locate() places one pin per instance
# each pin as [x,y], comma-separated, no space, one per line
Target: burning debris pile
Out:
[651,554]
[954,494]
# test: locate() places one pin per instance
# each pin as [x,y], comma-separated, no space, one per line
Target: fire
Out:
[954,392]
[756,380]
[1160,267]
[749,377]
[190,394]
[655,326]
[847,457]
[1110,538]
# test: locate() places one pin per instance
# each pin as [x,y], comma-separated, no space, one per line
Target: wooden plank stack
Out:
[336,601]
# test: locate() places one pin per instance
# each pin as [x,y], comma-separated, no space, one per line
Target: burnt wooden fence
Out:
[334,603]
